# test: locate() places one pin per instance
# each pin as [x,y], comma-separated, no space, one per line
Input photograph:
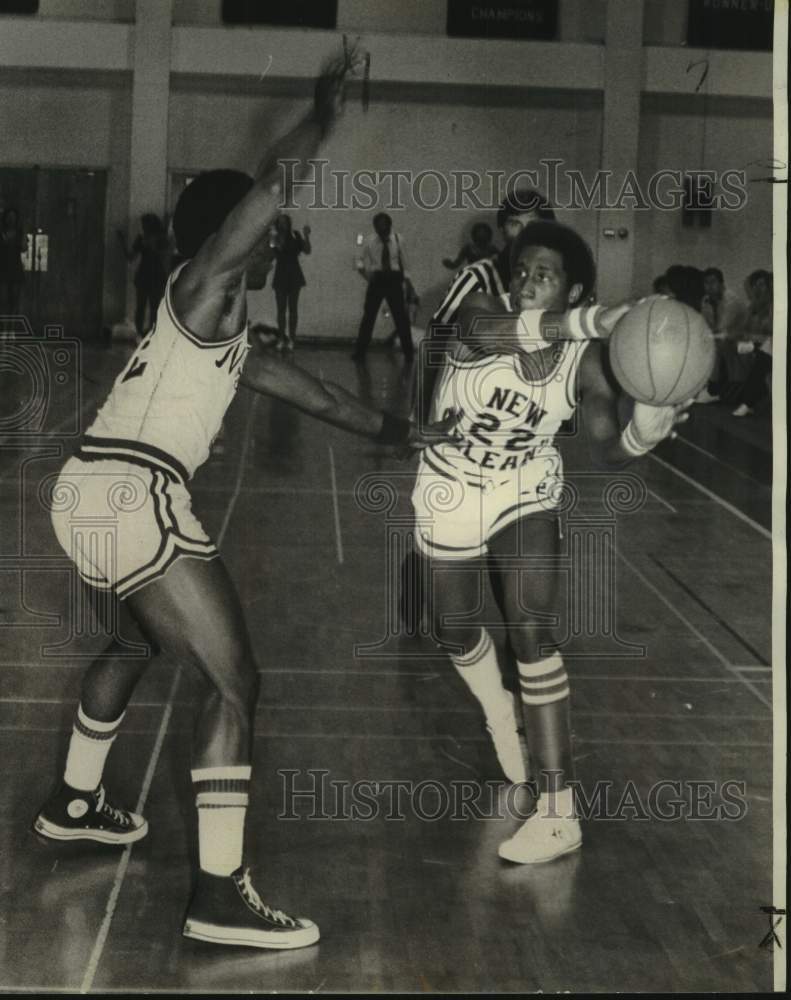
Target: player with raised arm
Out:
[153,432]
[515,378]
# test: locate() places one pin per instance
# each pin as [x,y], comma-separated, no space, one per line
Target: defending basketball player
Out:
[152,433]
[496,488]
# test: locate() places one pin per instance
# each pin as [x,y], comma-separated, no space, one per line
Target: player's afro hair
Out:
[577,256]
[204,205]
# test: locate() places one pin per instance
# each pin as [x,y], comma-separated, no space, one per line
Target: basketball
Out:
[662,351]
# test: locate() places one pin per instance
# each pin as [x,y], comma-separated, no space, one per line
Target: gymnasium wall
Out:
[84,120]
[706,134]
[417,132]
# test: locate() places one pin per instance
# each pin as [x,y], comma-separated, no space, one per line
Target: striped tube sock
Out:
[543,682]
[221,795]
[88,748]
[480,672]
[545,699]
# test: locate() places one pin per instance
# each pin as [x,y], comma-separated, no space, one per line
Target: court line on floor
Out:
[713,496]
[726,465]
[664,502]
[115,892]
[335,507]
[695,630]
[718,618]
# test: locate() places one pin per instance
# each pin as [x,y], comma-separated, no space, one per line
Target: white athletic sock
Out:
[88,748]
[480,672]
[221,795]
[557,805]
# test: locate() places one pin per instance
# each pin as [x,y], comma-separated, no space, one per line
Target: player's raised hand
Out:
[330,89]
[652,424]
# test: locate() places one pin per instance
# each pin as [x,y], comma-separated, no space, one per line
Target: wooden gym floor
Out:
[410,904]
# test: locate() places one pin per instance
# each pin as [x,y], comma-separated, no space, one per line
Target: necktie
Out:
[385,255]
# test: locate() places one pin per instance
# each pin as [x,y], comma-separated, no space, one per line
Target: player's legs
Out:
[374,294]
[456,596]
[79,809]
[531,603]
[194,615]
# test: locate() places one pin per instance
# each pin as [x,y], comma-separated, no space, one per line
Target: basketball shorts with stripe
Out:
[455,519]
[124,523]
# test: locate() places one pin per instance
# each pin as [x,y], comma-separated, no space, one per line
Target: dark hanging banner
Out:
[282,13]
[19,7]
[731,24]
[535,19]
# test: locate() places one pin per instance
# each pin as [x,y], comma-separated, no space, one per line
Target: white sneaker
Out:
[743,410]
[542,838]
[508,746]
[704,396]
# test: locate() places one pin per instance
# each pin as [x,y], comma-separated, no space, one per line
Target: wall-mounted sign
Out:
[536,19]
[282,13]
[731,24]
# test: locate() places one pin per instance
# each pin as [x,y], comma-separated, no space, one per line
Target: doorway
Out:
[62,215]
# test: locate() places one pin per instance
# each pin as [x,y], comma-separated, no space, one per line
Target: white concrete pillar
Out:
[150,93]
[623,78]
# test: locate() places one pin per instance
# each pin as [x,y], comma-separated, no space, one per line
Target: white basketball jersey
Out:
[512,406]
[170,400]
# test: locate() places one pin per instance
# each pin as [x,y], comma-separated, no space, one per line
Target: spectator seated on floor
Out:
[722,309]
[685,284]
[660,286]
[743,368]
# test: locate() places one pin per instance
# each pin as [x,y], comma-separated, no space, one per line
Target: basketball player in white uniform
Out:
[121,510]
[496,487]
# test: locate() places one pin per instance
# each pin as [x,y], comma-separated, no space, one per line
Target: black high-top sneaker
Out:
[74,815]
[226,909]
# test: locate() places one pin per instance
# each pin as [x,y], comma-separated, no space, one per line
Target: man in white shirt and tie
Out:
[383,266]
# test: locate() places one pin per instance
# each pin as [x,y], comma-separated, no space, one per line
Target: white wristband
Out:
[582,323]
[631,443]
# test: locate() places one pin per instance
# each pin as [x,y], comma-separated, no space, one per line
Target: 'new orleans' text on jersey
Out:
[512,407]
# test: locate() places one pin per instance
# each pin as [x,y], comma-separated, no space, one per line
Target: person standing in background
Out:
[12,273]
[382,264]
[289,280]
[151,246]
[480,247]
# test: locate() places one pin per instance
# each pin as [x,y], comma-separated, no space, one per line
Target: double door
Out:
[62,218]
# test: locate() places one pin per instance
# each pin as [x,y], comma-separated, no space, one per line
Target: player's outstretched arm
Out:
[220,263]
[609,444]
[488,327]
[271,375]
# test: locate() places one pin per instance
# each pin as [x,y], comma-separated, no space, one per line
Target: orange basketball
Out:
[662,351]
